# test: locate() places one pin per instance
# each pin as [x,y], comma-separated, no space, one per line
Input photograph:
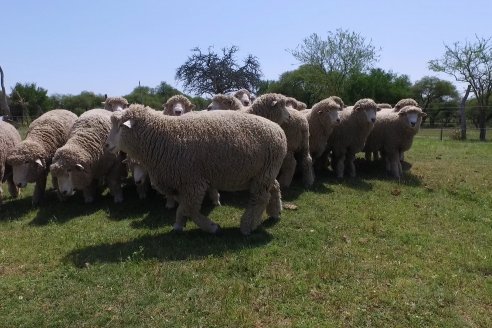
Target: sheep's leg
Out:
[143,188]
[376,156]
[54,182]
[170,200]
[89,192]
[214,196]
[274,206]
[350,159]
[287,170]
[368,156]
[257,203]
[340,165]
[13,189]
[387,163]
[1,192]
[180,219]
[39,189]
[114,182]
[307,170]
[394,159]
[190,202]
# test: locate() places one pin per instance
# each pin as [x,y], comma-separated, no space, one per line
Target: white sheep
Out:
[225,102]
[187,155]
[246,97]
[140,176]
[83,163]
[9,138]
[178,105]
[349,137]
[393,134]
[31,158]
[322,119]
[296,104]
[115,104]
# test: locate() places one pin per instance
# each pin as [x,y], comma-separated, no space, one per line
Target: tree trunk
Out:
[462,113]
[4,106]
[482,123]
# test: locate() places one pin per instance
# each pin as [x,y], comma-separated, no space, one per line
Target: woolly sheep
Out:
[245,97]
[238,152]
[295,104]
[178,105]
[115,104]
[9,138]
[140,176]
[393,134]
[322,119]
[348,138]
[31,158]
[225,102]
[272,106]
[83,162]
[405,102]
[384,105]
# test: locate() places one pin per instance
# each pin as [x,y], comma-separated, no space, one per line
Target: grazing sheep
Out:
[295,104]
[223,150]
[322,119]
[349,137]
[225,102]
[83,163]
[115,104]
[272,106]
[178,105]
[245,97]
[31,158]
[9,138]
[393,134]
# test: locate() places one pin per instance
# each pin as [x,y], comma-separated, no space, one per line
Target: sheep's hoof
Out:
[271,221]
[177,229]
[218,230]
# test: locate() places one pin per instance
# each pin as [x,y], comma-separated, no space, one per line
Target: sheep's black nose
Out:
[373,120]
[65,192]
[413,124]
[338,120]
[19,185]
[106,145]
[138,182]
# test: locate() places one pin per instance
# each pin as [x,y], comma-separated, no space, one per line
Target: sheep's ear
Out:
[53,167]
[128,124]
[274,103]
[192,107]
[79,167]
[39,162]
[424,115]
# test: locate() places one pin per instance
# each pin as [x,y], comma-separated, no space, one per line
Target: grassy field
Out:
[369,251]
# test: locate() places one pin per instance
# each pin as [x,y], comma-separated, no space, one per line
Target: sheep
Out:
[83,162]
[296,129]
[31,158]
[223,150]
[140,176]
[295,104]
[9,138]
[178,105]
[405,102]
[115,104]
[246,97]
[225,102]
[393,134]
[322,119]
[348,138]
[384,105]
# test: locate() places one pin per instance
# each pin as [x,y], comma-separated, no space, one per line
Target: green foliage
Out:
[211,73]
[29,94]
[78,104]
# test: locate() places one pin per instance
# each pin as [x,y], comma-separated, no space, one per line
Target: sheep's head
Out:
[113,142]
[412,115]
[178,105]
[328,112]
[71,176]
[384,106]
[368,107]
[338,100]
[405,102]
[115,104]
[272,106]
[27,164]
[295,104]
[224,102]
[244,97]
[138,171]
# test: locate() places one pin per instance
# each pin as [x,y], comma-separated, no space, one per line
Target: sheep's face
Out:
[216,105]
[113,142]
[26,172]
[139,174]
[70,178]
[334,117]
[245,100]
[370,115]
[115,106]
[178,109]
[276,111]
[412,118]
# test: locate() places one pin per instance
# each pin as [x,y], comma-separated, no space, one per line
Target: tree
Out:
[340,55]
[211,73]
[470,63]
[27,99]
[432,94]
[4,106]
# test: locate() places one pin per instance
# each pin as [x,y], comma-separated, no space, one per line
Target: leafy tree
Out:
[28,100]
[78,104]
[470,63]
[341,55]
[434,95]
[166,91]
[382,86]
[146,96]
[211,73]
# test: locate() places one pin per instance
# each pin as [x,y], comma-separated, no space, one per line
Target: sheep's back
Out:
[9,137]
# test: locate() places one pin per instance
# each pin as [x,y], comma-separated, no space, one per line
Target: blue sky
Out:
[108,46]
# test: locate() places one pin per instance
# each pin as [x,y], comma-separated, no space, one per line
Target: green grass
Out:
[364,252]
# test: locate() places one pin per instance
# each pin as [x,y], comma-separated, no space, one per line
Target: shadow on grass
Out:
[15,208]
[171,246]
[377,170]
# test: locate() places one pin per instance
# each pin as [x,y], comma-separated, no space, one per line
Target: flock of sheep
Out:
[238,143]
